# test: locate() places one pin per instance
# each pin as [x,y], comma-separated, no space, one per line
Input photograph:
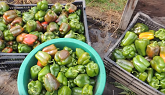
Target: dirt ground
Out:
[101,27]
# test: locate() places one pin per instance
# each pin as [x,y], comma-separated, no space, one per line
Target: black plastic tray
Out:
[121,75]
[11,61]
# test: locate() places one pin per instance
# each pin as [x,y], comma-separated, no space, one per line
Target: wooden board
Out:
[127,13]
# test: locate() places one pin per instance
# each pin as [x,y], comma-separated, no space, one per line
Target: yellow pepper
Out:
[148,35]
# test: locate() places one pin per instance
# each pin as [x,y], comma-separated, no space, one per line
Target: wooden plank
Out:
[127,14]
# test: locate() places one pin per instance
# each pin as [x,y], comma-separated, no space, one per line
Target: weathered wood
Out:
[127,14]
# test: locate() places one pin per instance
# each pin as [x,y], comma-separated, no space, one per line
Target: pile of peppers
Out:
[142,53]
[62,72]
[20,32]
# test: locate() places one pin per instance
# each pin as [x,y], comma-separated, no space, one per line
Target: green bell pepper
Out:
[140,63]
[63,69]
[1,34]
[34,70]
[50,82]
[57,8]
[31,26]
[2,44]
[150,74]
[34,10]
[125,64]
[23,48]
[40,15]
[79,12]
[16,30]
[141,46]
[81,68]
[54,69]
[158,64]
[160,34]
[139,28]
[117,54]
[64,90]
[142,76]
[81,80]
[38,34]
[71,83]
[34,87]
[63,57]
[162,90]
[71,34]
[81,37]
[79,52]
[154,83]
[2,26]
[162,83]
[50,16]
[8,36]
[62,79]
[42,5]
[39,26]
[64,28]
[43,57]
[68,49]
[73,16]
[76,91]
[12,44]
[74,24]
[45,70]
[3,20]
[3,7]
[27,16]
[152,49]
[74,55]
[159,76]
[84,59]
[71,72]
[43,92]
[128,52]
[36,43]
[82,28]
[53,27]
[52,93]
[70,7]
[87,90]
[129,38]
[73,63]
[92,69]
[47,36]
[62,18]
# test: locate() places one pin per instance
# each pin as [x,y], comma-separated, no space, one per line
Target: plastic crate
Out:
[119,74]
[10,61]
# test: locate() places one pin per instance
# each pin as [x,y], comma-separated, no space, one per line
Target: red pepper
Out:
[44,25]
[39,64]
[29,39]
[20,37]
[7,50]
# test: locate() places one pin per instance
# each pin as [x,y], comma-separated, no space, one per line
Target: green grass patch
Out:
[116,5]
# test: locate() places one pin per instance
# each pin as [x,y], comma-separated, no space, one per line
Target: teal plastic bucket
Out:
[30,60]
